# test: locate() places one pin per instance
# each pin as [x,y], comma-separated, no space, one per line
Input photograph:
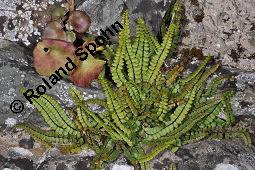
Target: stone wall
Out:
[225,29]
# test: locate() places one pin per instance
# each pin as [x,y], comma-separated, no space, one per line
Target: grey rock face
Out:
[18,150]
[16,71]
[222,28]
[105,13]
[243,102]
[208,155]
[22,20]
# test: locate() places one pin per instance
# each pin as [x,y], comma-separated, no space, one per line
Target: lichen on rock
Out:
[226,30]
[22,20]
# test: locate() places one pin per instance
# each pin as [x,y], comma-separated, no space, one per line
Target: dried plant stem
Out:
[71,5]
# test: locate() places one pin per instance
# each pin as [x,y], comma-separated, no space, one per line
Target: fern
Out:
[167,45]
[149,111]
[172,166]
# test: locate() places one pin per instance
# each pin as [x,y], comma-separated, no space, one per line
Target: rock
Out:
[243,102]
[16,71]
[222,28]
[122,167]
[65,163]
[26,143]
[10,122]
[209,155]
[222,166]
[21,151]
[82,165]
[22,20]
[72,162]
[99,10]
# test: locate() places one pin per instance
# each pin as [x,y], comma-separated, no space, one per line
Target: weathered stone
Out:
[207,155]
[15,62]
[222,28]
[26,143]
[226,28]
[22,20]
[16,71]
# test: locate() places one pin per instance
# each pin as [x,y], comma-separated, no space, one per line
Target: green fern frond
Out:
[83,120]
[172,166]
[55,116]
[162,108]
[143,45]
[145,166]
[167,45]
[227,107]
[211,88]
[117,112]
[197,71]
[75,148]
[155,151]
[172,75]
[100,102]
[108,53]
[130,57]
[48,138]
[118,61]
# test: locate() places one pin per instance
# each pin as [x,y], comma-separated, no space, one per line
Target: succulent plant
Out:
[146,111]
[80,21]
[57,44]
[87,71]
[58,13]
[50,55]
[70,36]
[54,30]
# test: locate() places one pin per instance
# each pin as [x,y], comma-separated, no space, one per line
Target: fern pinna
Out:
[148,109]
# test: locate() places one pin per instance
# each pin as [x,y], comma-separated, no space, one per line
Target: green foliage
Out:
[149,111]
[172,166]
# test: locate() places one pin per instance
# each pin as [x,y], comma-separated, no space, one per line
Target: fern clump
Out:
[149,111]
